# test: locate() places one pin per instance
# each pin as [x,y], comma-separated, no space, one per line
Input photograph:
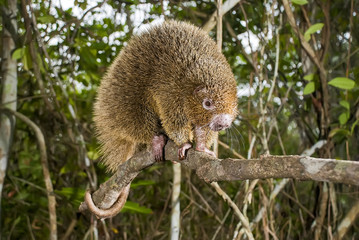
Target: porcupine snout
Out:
[220,122]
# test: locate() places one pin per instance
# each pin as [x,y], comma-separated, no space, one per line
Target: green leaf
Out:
[345,104]
[41,65]
[64,170]
[46,19]
[83,5]
[342,83]
[142,183]
[313,29]
[343,118]
[17,220]
[309,77]
[132,206]
[70,191]
[154,167]
[93,155]
[26,60]
[22,195]
[309,88]
[339,131]
[353,126]
[18,53]
[290,84]
[300,2]
[73,194]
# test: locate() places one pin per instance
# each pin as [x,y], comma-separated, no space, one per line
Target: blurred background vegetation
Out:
[63,48]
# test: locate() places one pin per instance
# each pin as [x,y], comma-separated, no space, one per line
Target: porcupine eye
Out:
[207,104]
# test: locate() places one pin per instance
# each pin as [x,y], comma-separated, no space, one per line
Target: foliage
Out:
[82,38]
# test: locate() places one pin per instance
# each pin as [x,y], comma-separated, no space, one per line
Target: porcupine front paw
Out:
[182,150]
[201,147]
[158,144]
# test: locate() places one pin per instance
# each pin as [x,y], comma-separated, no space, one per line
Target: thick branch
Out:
[212,169]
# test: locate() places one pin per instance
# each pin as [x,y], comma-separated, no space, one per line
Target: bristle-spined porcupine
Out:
[171,80]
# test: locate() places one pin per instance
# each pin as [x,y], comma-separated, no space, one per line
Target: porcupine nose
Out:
[220,122]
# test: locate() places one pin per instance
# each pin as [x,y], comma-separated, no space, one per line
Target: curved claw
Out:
[182,150]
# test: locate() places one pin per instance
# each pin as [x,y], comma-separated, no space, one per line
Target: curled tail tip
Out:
[113,210]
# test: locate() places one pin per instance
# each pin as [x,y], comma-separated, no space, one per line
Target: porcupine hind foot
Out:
[158,144]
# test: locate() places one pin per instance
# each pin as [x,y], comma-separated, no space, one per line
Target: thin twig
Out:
[202,198]
[348,64]
[69,230]
[225,218]
[30,228]
[162,213]
[243,52]
[299,204]
[239,214]
[277,46]
[33,54]
[100,4]
[235,153]
[319,220]
[204,209]
[347,221]
[228,5]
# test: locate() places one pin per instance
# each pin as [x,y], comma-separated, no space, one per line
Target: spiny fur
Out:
[151,89]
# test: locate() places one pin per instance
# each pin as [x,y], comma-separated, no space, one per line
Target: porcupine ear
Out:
[200,92]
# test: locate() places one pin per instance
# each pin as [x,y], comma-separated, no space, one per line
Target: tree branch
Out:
[211,169]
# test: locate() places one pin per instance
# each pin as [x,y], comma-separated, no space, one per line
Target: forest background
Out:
[296,64]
